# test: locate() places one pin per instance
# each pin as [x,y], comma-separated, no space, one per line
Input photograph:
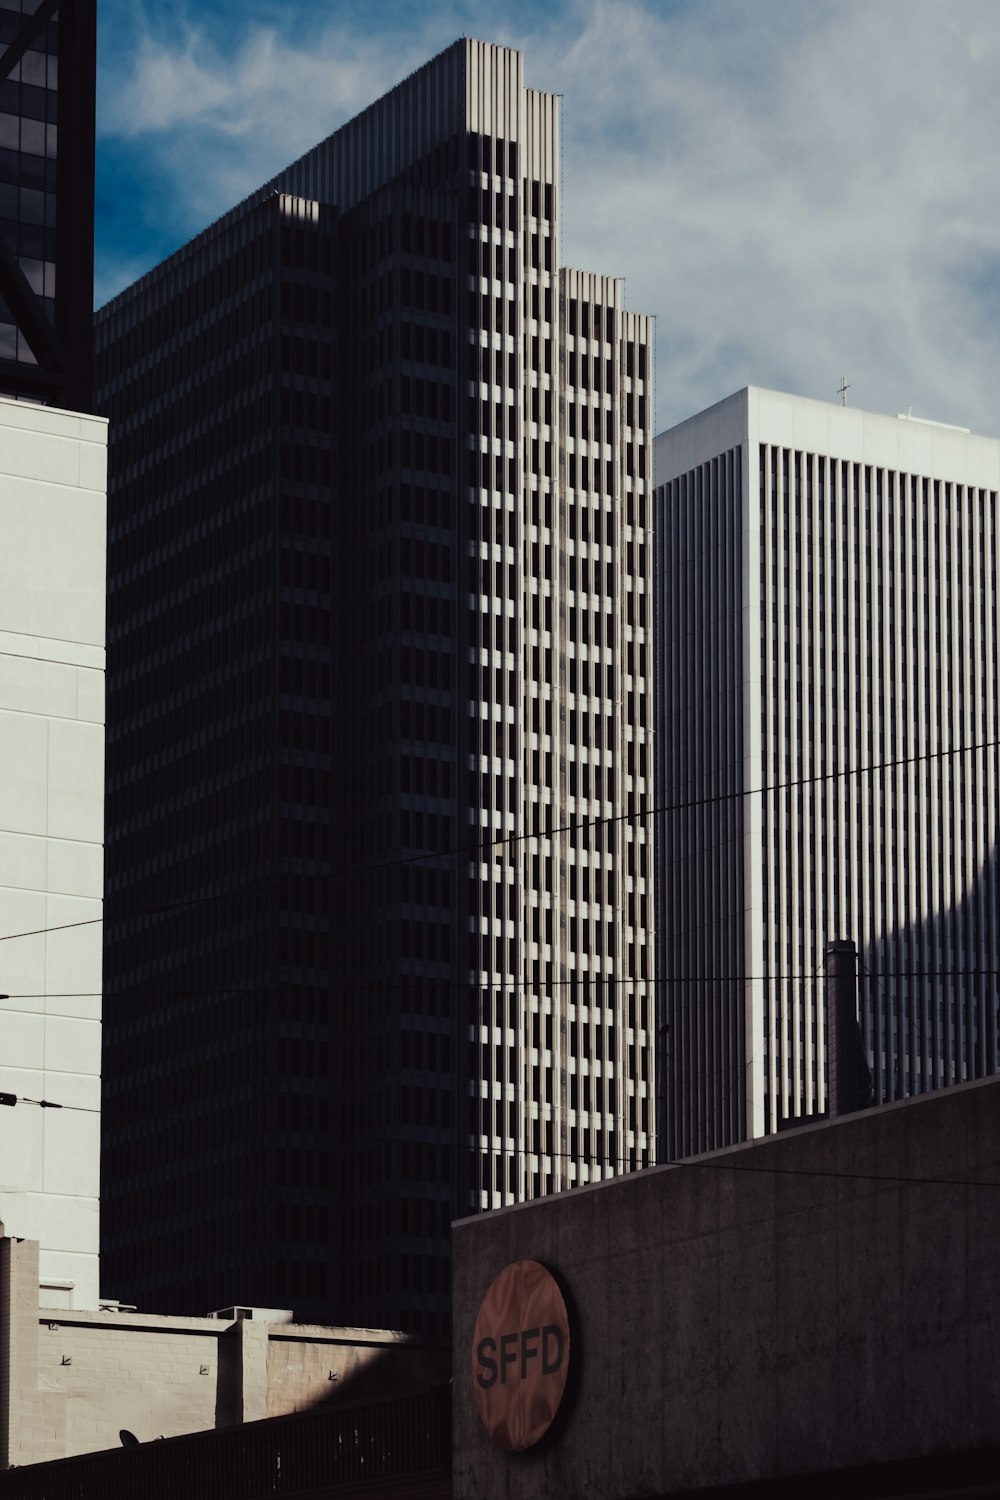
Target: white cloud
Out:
[816,199]
[213,125]
[799,192]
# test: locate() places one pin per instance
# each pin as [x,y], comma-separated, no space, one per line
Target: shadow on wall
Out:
[388,1374]
[930,995]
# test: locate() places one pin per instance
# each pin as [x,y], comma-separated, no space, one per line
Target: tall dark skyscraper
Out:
[379,941]
[47,200]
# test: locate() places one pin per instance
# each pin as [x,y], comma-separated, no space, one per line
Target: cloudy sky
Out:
[798,189]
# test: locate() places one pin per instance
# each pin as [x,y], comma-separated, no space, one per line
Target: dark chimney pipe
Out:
[848,1077]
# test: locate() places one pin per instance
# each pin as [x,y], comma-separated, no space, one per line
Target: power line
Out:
[40,931]
[430,982]
[12,1099]
[470,850]
[688,806]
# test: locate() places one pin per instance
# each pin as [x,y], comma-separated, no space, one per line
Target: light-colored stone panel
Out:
[17,416]
[38,687]
[33,1002]
[52,574]
[73,952]
[22,1148]
[90,695]
[69,1223]
[41,456]
[71,1045]
[24,758]
[23,861]
[22,959]
[75,1266]
[22,1039]
[43,648]
[22,969]
[80,1089]
[20,911]
[82,1007]
[76,781]
[72,1153]
[93,467]
[74,869]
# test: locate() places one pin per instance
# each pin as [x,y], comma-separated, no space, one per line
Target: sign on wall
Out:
[520,1355]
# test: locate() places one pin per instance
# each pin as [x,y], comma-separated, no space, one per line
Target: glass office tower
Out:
[47,200]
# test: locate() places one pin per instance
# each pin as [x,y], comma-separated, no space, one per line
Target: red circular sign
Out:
[520,1355]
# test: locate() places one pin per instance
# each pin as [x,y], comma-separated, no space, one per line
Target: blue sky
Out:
[798,189]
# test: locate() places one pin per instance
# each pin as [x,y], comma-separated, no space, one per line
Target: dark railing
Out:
[374,1445]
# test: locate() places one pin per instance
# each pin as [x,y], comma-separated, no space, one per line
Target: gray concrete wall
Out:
[824,1298]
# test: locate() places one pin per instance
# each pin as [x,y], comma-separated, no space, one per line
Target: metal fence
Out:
[391,1447]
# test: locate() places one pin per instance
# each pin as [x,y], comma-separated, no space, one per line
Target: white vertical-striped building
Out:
[827,756]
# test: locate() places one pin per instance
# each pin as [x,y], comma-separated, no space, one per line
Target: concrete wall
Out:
[70,1381]
[824,1298]
[52,549]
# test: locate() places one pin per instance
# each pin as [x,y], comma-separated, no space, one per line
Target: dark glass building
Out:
[47,200]
[378,937]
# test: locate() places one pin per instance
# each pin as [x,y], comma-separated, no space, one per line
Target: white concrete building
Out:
[827,754]
[52,550]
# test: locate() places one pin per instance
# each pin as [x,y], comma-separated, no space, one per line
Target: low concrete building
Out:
[816,1313]
[70,1381]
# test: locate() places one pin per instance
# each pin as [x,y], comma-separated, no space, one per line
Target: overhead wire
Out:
[471,850]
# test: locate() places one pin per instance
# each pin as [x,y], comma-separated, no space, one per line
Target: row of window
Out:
[425,344]
[424,291]
[483,258]
[423,667]
[425,885]
[425,451]
[306,304]
[425,398]
[27,171]
[29,101]
[426,614]
[425,830]
[426,942]
[306,250]
[425,237]
[429,723]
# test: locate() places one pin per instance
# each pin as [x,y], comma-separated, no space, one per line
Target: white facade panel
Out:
[52,525]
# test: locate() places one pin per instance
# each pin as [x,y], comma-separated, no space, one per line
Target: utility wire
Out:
[471,850]
[429,982]
[688,806]
[423,984]
[12,1099]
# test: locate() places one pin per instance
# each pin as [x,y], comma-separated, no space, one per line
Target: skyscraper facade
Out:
[47,71]
[379,939]
[52,522]
[828,759]
[53,456]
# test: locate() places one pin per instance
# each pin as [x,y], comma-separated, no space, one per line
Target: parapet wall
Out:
[71,1380]
[823,1299]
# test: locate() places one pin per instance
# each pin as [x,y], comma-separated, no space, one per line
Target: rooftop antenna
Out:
[842,390]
